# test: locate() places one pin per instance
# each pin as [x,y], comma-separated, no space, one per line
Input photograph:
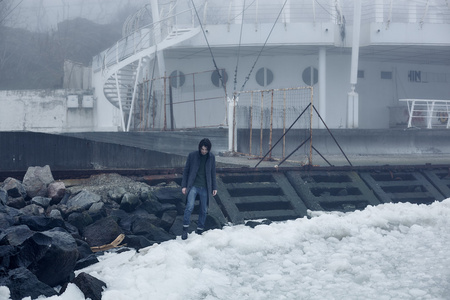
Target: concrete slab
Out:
[327,191]
[402,187]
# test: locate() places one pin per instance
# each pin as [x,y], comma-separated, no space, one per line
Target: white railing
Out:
[428,111]
[257,12]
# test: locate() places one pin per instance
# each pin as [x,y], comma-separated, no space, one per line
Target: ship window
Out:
[264,76]
[177,79]
[215,79]
[386,75]
[310,76]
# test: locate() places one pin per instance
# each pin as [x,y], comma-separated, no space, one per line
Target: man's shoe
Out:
[184,235]
[199,231]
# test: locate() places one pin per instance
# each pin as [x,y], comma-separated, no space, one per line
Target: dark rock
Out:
[41,201]
[15,235]
[177,226]
[137,241]
[129,202]
[6,253]
[32,210]
[116,194]
[157,234]
[86,262]
[90,286]
[14,188]
[23,283]
[146,194]
[253,224]
[97,211]
[3,196]
[102,232]
[142,225]
[55,214]
[168,218]
[40,223]
[83,249]
[80,220]
[152,206]
[169,195]
[5,221]
[56,259]
[36,181]
[16,202]
[56,191]
[82,201]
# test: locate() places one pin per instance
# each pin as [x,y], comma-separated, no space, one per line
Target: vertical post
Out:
[165,108]
[261,124]
[271,125]
[232,136]
[195,108]
[322,84]
[310,126]
[120,102]
[284,123]
[352,100]
[251,123]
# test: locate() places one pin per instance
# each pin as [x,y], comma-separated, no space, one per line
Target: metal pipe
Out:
[271,127]
[251,122]
[261,129]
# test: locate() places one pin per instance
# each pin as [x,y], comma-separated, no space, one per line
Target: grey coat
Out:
[191,168]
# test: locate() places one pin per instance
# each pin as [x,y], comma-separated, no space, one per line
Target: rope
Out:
[259,54]
[239,50]
[210,50]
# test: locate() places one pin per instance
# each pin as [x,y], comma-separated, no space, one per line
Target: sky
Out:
[390,251]
[43,15]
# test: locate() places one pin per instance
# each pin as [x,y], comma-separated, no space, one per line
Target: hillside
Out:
[30,60]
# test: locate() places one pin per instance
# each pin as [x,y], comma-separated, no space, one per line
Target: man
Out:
[199,178]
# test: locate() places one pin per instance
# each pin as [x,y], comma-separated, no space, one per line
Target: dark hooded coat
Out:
[191,169]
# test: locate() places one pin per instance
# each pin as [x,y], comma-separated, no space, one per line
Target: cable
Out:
[259,54]
[4,18]
[239,50]
[210,50]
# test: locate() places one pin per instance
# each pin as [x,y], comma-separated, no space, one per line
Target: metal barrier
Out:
[275,110]
[429,112]
[180,101]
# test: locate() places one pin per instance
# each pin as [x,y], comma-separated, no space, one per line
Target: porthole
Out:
[177,79]
[310,76]
[215,79]
[264,76]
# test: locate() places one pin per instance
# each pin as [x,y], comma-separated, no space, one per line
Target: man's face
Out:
[204,150]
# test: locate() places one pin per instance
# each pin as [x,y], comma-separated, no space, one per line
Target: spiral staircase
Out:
[124,63]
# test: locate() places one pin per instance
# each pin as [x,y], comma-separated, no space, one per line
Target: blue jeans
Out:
[193,192]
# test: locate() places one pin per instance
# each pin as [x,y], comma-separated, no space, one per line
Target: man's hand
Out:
[183,190]
[214,192]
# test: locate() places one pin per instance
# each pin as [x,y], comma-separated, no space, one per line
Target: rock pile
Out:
[49,229]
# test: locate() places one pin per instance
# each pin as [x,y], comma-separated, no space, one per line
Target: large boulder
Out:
[129,202]
[23,283]
[3,196]
[91,287]
[82,201]
[56,191]
[40,223]
[54,261]
[36,180]
[14,188]
[15,235]
[41,201]
[102,232]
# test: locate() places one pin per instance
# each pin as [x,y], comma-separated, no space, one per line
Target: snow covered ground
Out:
[391,251]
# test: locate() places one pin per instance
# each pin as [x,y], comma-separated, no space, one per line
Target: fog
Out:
[44,15]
